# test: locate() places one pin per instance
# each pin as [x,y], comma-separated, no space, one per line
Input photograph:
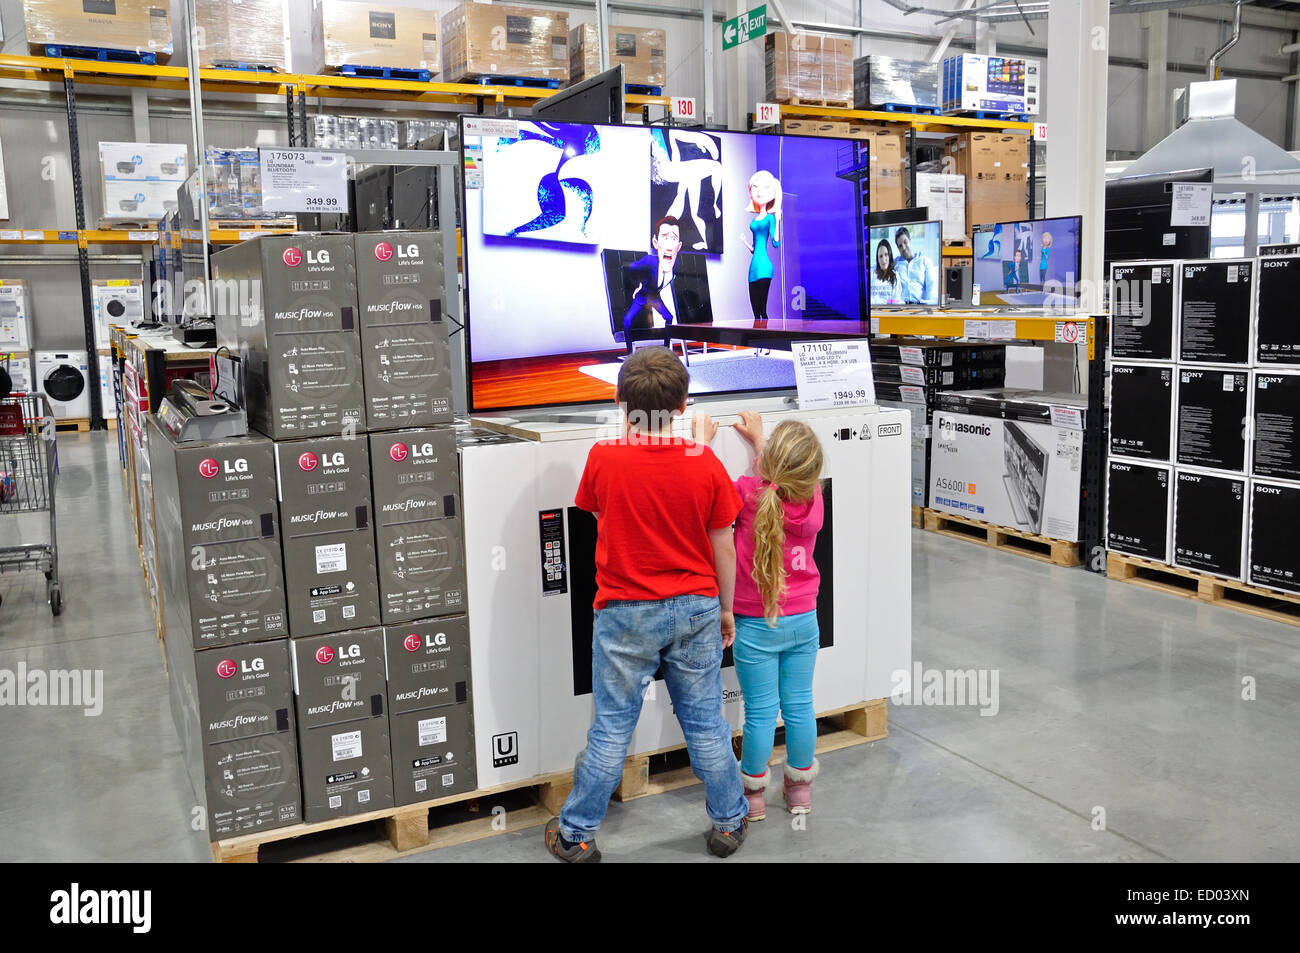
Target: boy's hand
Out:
[703,428]
[728,629]
[750,426]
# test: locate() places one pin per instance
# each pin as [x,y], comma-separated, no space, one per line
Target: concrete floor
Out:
[1111,697]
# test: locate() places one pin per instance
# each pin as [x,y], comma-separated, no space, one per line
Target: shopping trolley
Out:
[29,467]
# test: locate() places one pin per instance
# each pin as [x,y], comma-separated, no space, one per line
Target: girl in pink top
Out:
[776,604]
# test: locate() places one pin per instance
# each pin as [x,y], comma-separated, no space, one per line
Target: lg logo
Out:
[412,643]
[325,654]
[308,461]
[383,251]
[293,257]
[209,468]
[398,452]
[227,668]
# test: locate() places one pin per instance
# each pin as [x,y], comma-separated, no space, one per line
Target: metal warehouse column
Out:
[1155,31]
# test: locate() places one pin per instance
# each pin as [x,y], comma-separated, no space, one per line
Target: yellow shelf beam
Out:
[957,251]
[921,122]
[955,324]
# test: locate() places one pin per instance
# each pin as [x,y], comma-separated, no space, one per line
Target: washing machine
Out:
[62,377]
[116,301]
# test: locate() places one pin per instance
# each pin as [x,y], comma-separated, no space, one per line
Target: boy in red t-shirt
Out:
[665,578]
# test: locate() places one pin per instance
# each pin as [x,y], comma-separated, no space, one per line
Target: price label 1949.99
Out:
[833,373]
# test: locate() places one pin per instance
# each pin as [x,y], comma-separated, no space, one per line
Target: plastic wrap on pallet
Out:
[359,34]
[241,31]
[887,80]
[495,39]
[416,132]
[641,50]
[813,67]
[142,26]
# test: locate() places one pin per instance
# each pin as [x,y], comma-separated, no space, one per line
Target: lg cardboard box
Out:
[1276,432]
[813,68]
[15,302]
[364,34]
[1141,410]
[1213,407]
[1274,556]
[286,305]
[242,31]
[1210,523]
[481,39]
[406,358]
[215,517]
[142,26]
[1216,306]
[329,545]
[430,709]
[418,541]
[1277,333]
[1138,501]
[233,708]
[340,690]
[642,52]
[1143,303]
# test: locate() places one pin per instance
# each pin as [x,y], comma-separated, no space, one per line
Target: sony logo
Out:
[1270,490]
[1281,263]
[1270,380]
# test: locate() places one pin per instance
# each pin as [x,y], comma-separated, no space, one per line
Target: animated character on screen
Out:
[1011,271]
[765,204]
[884,278]
[570,141]
[917,274]
[653,276]
[1044,257]
[689,175]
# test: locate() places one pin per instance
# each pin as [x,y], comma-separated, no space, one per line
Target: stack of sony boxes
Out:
[1204,469]
[354,489]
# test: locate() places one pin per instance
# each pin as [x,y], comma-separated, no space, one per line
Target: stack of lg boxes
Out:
[1204,469]
[338,601]
[911,374]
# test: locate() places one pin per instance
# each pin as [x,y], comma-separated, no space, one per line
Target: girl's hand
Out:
[750,426]
[703,428]
[728,629]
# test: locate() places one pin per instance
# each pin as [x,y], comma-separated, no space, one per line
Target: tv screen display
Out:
[905,264]
[580,237]
[1028,264]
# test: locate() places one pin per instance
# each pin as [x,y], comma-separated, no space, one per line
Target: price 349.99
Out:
[327,201]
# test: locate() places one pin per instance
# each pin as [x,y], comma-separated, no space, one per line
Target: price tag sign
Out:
[767,114]
[294,180]
[1191,204]
[833,373]
[683,107]
[1040,132]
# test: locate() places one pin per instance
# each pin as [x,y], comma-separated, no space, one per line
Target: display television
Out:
[906,262]
[1029,264]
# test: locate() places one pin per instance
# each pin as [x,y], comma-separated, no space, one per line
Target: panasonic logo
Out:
[954,426]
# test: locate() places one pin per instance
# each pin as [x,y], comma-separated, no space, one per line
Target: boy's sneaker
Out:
[755,787]
[582,853]
[726,843]
[797,787]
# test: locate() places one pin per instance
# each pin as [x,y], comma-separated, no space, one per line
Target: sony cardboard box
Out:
[233,708]
[481,39]
[641,50]
[418,539]
[1275,447]
[1210,523]
[15,311]
[242,32]
[217,528]
[1213,412]
[1141,410]
[406,357]
[286,306]
[1143,301]
[430,708]
[340,689]
[366,34]
[1277,333]
[323,485]
[1216,309]
[1274,556]
[1139,498]
[890,81]
[809,67]
[142,26]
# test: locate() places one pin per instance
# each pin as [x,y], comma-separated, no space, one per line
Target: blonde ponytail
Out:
[791,463]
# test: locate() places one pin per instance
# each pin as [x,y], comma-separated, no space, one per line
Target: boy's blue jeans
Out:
[775,668]
[629,641]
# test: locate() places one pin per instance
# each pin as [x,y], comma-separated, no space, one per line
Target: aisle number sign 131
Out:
[743,28]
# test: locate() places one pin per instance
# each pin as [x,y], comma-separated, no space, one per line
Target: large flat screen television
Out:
[1032,263]
[906,263]
[583,240]
[1138,213]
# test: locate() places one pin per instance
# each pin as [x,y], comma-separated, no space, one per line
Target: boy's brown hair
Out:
[652,385]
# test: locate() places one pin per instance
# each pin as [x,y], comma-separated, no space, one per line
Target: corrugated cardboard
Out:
[482,40]
[242,31]
[945,196]
[361,34]
[809,67]
[996,168]
[642,52]
[815,127]
[887,148]
[143,26]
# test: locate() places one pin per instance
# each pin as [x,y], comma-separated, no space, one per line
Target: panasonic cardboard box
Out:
[217,530]
[1213,417]
[1274,515]
[1276,445]
[1277,332]
[406,358]
[340,688]
[286,306]
[1143,301]
[430,708]
[1216,311]
[1141,410]
[1210,523]
[329,545]
[418,540]
[1138,501]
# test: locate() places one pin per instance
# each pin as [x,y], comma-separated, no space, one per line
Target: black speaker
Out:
[957,284]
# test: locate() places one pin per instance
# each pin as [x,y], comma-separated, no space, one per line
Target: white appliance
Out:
[14,318]
[107,400]
[20,373]
[530,646]
[117,301]
[62,376]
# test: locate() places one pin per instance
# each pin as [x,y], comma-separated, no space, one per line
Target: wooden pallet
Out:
[1190,584]
[462,818]
[802,101]
[252,224]
[1058,552]
[918,517]
[78,424]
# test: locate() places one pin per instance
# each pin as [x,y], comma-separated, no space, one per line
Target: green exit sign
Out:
[746,27]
